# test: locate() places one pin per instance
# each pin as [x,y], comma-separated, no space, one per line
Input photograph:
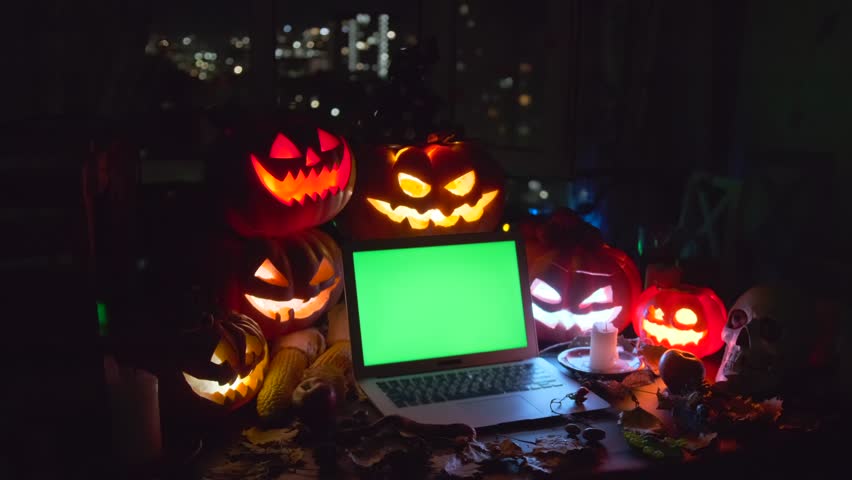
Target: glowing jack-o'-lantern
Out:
[444,186]
[289,282]
[685,317]
[227,360]
[576,278]
[304,180]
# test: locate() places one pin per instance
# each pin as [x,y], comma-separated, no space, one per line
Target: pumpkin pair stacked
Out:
[289,271]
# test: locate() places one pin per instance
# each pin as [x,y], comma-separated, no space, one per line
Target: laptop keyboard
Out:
[458,385]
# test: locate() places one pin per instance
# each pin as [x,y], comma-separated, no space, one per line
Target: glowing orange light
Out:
[242,387]
[462,185]
[286,310]
[413,186]
[316,185]
[420,221]
[673,336]
[686,317]
[269,274]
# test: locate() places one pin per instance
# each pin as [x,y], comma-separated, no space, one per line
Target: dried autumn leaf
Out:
[455,466]
[545,464]
[701,441]
[640,420]
[772,408]
[639,378]
[258,436]
[555,444]
[613,391]
[652,354]
[508,448]
[476,451]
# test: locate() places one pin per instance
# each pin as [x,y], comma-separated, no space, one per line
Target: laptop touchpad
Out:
[498,410]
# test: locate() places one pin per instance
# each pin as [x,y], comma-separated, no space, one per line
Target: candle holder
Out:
[578,358]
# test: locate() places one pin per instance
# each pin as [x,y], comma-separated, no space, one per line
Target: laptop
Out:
[442,331]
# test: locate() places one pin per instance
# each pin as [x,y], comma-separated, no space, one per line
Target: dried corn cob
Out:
[292,355]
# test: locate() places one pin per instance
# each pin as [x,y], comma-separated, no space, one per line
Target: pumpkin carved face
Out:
[577,280]
[291,281]
[444,187]
[685,317]
[228,357]
[304,180]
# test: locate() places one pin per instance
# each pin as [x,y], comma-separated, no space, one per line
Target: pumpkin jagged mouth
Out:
[286,310]
[420,221]
[315,185]
[241,387]
[674,337]
[568,319]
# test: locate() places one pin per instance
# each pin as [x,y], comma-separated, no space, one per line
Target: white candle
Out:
[604,347]
[135,407]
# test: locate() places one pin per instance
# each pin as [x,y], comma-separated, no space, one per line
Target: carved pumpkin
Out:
[274,181]
[226,360]
[685,317]
[576,278]
[444,186]
[288,283]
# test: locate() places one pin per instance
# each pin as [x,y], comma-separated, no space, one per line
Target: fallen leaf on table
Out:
[651,354]
[544,464]
[560,444]
[702,440]
[639,378]
[476,451]
[259,436]
[640,420]
[613,391]
[507,448]
[251,462]
[455,466]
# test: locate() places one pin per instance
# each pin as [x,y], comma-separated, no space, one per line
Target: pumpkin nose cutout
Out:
[311,158]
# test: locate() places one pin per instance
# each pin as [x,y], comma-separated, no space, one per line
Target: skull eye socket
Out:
[462,185]
[770,329]
[544,292]
[413,186]
[737,319]
[269,274]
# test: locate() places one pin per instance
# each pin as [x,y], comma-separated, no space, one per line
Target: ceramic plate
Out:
[577,359]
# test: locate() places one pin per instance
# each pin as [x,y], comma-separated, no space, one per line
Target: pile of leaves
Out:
[261,454]
[396,447]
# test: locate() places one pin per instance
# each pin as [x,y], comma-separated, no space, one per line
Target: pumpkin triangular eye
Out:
[327,141]
[544,292]
[462,185]
[283,148]
[413,186]
[601,295]
[223,353]
[324,272]
[269,274]
[656,313]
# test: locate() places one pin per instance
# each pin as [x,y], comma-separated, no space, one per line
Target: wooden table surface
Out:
[783,458]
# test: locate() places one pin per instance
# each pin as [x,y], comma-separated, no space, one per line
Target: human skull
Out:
[770,334]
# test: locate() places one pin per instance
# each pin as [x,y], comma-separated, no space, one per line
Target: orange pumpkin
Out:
[277,179]
[287,283]
[442,186]
[225,359]
[684,317]
[576,279]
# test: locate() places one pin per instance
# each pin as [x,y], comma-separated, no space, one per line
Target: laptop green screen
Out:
[427,302]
